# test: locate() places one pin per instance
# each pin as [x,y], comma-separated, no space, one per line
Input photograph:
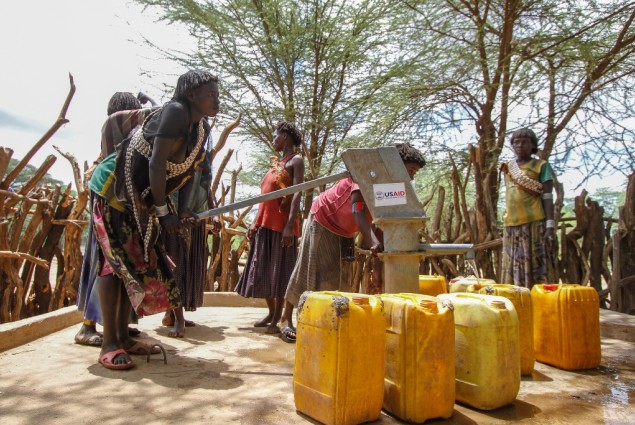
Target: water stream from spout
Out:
[472,265]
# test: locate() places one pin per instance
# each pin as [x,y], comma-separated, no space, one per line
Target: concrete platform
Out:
[227,372]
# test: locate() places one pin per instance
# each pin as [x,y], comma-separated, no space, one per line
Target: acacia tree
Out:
[500,64]
[319,63]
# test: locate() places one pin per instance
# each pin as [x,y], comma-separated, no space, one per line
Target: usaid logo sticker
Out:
[387,194]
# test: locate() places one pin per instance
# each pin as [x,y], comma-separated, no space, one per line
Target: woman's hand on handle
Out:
[170,223]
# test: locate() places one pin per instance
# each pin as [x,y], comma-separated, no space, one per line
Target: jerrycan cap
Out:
[550,286]
[498,304]
[360,300]
[429,305]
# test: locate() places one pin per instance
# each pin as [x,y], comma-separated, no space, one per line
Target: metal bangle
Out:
[161,210]
[547,196]
[550,224]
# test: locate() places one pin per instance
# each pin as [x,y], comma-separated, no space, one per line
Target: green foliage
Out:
[439,74]
[257,165]
[27,173]
[320,64]
[564,68]
[610,199]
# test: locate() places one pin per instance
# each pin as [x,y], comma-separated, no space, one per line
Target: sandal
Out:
[106,360]
[288,334]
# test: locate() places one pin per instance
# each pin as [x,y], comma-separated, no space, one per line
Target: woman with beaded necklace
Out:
[529,233]
[132,206]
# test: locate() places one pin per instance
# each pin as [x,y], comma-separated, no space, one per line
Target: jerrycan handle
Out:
[500,305]
[429,306]
[360,300]
[448,304]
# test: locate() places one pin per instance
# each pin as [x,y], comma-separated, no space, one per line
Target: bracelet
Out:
[550,224]
[547,196]
[358,206]
[161,210]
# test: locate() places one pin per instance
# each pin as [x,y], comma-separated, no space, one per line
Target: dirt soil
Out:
[227,372]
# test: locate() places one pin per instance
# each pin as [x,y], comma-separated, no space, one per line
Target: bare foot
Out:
[168,319]
[178,331]
[264,322]
[88,335]
[272,329]
[283,323]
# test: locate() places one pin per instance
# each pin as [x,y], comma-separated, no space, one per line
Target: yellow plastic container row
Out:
[567,325]
[432,285]
[469,284]
[338,377]
[487,349]
[419,381]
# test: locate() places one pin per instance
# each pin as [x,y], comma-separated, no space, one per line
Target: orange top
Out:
[270,214]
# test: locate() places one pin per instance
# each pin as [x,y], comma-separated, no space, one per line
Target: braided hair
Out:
[290,130]
[526,132]
[410,154]
[190,81]
[123,101]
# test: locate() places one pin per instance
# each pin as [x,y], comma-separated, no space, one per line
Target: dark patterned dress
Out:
[190,254]
[124,221]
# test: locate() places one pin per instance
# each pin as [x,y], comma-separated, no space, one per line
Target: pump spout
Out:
[435,249]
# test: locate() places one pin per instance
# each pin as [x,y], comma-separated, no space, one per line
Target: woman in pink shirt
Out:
[337,216]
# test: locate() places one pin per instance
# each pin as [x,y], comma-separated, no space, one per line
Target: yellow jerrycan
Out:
[567,325]
[468,284]
[338,378]
[487,349]
[432,285]
[419,381]
[521,298]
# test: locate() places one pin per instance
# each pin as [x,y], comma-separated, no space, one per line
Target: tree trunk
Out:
[595,235]
[625,287]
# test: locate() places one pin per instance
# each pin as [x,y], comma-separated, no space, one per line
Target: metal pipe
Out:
[275,194]
[448,249]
